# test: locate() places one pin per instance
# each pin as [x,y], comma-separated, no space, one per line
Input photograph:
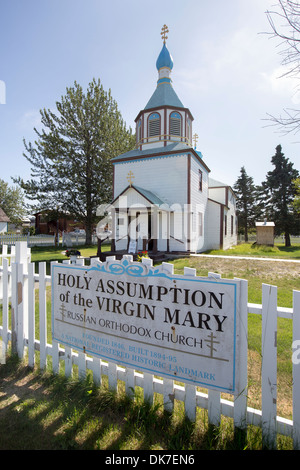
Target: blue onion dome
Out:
[164,59]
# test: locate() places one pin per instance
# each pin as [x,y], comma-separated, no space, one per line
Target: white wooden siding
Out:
[212,227]
[164,176]
[217,194]
[198,204]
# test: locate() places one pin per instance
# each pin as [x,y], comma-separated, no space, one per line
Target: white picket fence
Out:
[31,240]
[18,283]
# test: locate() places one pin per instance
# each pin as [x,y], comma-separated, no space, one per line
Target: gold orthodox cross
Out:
[130,176]
[195,138]
[164,31]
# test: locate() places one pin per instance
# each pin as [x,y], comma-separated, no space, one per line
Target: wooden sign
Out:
[132,246]
[181,327]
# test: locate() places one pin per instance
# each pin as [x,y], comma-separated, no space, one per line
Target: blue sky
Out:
[225,72]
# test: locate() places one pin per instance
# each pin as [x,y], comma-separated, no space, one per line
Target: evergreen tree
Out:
[71,168]
[296,202]
[246,201]
[280,192]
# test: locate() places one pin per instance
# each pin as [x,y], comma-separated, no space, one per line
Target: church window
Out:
[200,224]
[175,123]
[154,125]
[200,180]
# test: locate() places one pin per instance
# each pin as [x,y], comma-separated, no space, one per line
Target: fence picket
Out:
[190,390]
[148,388]
[112,376]
[190,401]
[269,364]
[129,381]
[43,314]
[214,397]
[296,370]
[5,286]
[31,315]
[55,347]
[68,361]
[96,367]
[240,401]
[14,303]
[81,365]
[168,394]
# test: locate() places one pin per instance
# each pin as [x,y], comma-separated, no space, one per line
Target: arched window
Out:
[154,125]
[175,124]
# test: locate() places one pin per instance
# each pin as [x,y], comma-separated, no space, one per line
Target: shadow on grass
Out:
[40,411]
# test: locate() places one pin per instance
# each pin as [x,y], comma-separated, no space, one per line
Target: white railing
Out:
[69,239]
[31,240]
[18,283]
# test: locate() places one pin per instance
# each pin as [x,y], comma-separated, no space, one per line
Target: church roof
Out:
[164,59]
[174,148]
[152,198]
[164,95]
[149,195]
[215,184]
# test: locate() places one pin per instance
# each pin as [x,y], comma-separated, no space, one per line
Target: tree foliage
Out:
[277,199]
[246,201]
[285,26]
[280,191]
[12,202]
[296,202]
[71,168]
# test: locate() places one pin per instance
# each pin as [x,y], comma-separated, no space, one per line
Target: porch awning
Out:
[136,197]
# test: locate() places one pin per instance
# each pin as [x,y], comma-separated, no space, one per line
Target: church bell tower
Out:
[164,120]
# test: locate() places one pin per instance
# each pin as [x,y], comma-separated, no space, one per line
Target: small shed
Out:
[265,233]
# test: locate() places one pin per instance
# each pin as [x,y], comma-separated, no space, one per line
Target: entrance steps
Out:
[158,257]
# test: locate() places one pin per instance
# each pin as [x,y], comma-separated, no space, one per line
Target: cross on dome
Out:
[164,58]
[164,31]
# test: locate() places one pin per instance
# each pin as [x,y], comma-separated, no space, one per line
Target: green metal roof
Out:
[164,95]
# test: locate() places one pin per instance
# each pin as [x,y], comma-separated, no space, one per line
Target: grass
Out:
[46,412]
[251,249]
[42,411]
[286,277]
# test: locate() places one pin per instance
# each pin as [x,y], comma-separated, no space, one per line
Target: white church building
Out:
[164,200]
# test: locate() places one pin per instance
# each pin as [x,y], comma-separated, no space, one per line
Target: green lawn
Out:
[251,249]
[52,253]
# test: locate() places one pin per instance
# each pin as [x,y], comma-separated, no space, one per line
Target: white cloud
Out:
[30,119]
[276,82]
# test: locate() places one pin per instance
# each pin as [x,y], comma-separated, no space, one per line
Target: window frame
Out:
[200,224]
[151,118]
[172,119]
[200,187]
